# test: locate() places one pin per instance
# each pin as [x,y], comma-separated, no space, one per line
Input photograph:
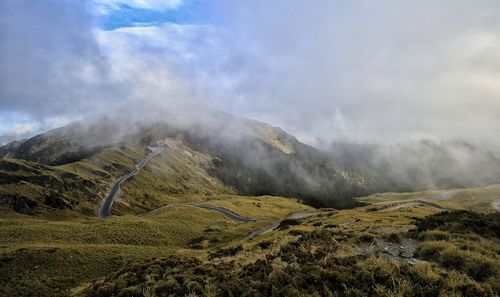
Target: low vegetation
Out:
[328,259]
[49,255]
[392,245]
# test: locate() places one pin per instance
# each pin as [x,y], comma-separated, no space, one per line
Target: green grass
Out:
[111,162]
[258,207]
[177,174]
[50,255]
[84,183]
[59,257]
[52,252]
[319,261]
[476,199]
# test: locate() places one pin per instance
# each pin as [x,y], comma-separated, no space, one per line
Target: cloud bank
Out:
[362,71]
[368,70]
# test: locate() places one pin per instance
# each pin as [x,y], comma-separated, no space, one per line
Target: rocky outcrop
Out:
[59,202]
[18,203]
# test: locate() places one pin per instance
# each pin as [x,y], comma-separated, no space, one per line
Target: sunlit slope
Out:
[42,257]
[178,174]
[483,199]
[419,250]
[210,154]
[35,188]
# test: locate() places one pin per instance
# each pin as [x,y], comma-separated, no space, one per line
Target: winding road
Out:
[229,214]
[105,210]
[226,212]
[273,224]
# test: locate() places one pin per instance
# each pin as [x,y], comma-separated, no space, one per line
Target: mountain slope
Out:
[210,153]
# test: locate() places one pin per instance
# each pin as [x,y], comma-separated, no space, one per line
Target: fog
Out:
[363,72]
[425,164]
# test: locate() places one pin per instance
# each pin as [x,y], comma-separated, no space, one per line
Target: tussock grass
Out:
[49,255]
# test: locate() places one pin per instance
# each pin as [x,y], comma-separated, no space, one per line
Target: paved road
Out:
[273,224]
[229,214]
[226,212]
[393,205]
[105,210]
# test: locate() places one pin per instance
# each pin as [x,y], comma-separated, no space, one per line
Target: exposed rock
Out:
[18,203]
[58,201]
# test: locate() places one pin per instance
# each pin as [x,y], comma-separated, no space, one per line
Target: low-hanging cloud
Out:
[367,70]
[360,71]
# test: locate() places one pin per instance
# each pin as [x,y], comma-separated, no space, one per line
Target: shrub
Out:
[296,232]
[463,222]
[434,235]
[226,252]
[393,236]
[264,244]
[288,222]
[431,250]
[477,266]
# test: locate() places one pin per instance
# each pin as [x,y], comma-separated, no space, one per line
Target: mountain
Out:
[203,153]
[198,219]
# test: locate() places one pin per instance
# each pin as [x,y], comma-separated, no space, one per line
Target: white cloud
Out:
[106,6]
[20,129]
[167,64]
[358,70]
[50,62]
[395,70]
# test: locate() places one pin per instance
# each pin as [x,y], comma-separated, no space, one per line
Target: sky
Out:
[327,70]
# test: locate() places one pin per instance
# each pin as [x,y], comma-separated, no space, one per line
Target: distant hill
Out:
[424,164]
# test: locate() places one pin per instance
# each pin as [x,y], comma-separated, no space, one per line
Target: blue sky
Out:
[326,70]
[125,15]
[107,16]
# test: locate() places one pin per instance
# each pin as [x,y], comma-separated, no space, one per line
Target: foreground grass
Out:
[323,256]
[51,255]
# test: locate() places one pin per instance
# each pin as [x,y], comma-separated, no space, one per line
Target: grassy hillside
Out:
[392,244]
[35,188]
[482,199]
[360,252]
[177,174]
[32,188]
[47,257]
[212,153]
[375,250]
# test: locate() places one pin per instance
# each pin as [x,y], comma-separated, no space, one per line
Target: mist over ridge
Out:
[360,72]
[409,91]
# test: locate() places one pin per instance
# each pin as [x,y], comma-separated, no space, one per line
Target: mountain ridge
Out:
[249,157]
